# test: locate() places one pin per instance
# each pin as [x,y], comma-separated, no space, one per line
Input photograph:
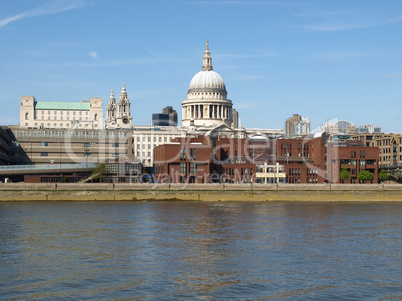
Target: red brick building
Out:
[204,159]
[354,156]
[320,159]
[304,159]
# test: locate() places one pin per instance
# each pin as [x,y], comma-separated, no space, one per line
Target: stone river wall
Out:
[199,192]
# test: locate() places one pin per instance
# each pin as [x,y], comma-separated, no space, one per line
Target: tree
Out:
[345,174]
[365,175]
[383,176]
[99,172]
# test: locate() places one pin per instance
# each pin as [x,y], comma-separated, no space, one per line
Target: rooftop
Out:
[56,105]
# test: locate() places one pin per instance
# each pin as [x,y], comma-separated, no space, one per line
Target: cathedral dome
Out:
[207,80]
[207,104]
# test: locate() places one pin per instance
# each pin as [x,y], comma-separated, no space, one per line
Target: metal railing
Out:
[48,166]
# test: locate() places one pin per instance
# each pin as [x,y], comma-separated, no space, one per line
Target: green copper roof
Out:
[55,105]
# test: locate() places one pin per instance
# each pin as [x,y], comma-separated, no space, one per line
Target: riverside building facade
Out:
[204,159]
[322,157]
[61,115]
[60,146]
[390,147]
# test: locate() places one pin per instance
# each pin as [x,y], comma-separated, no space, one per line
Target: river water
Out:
[200,251]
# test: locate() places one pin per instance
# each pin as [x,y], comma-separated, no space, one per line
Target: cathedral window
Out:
[26,116]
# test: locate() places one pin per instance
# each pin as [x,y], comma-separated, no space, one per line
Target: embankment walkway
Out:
[199,192]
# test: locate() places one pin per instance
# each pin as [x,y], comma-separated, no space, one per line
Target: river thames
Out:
[200,251]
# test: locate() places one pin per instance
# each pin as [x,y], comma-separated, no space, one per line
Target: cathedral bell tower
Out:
[118,114]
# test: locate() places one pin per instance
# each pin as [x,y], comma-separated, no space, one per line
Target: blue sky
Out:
[321,59]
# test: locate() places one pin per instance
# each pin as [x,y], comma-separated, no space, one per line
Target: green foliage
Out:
[99,172]
[345,174]
[383,176]
[365,175]
[63,179]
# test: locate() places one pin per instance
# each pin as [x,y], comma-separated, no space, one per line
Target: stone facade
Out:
[61,115]
[118,115]
[390,147]
[39,146]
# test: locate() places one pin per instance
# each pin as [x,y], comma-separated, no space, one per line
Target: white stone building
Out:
[118,115]
[207,103]
[61,115]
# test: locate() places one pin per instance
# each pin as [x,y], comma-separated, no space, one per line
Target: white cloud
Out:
[93,54]
[47,9]
[398,74]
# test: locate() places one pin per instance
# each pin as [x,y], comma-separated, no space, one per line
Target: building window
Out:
[193,168]
[43,144]
[87,154]
[183,168]
[115,144]
[26,116]
[87,144]
[55,112]
[165,139]
[43,112]
[44,154]
[160,139]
